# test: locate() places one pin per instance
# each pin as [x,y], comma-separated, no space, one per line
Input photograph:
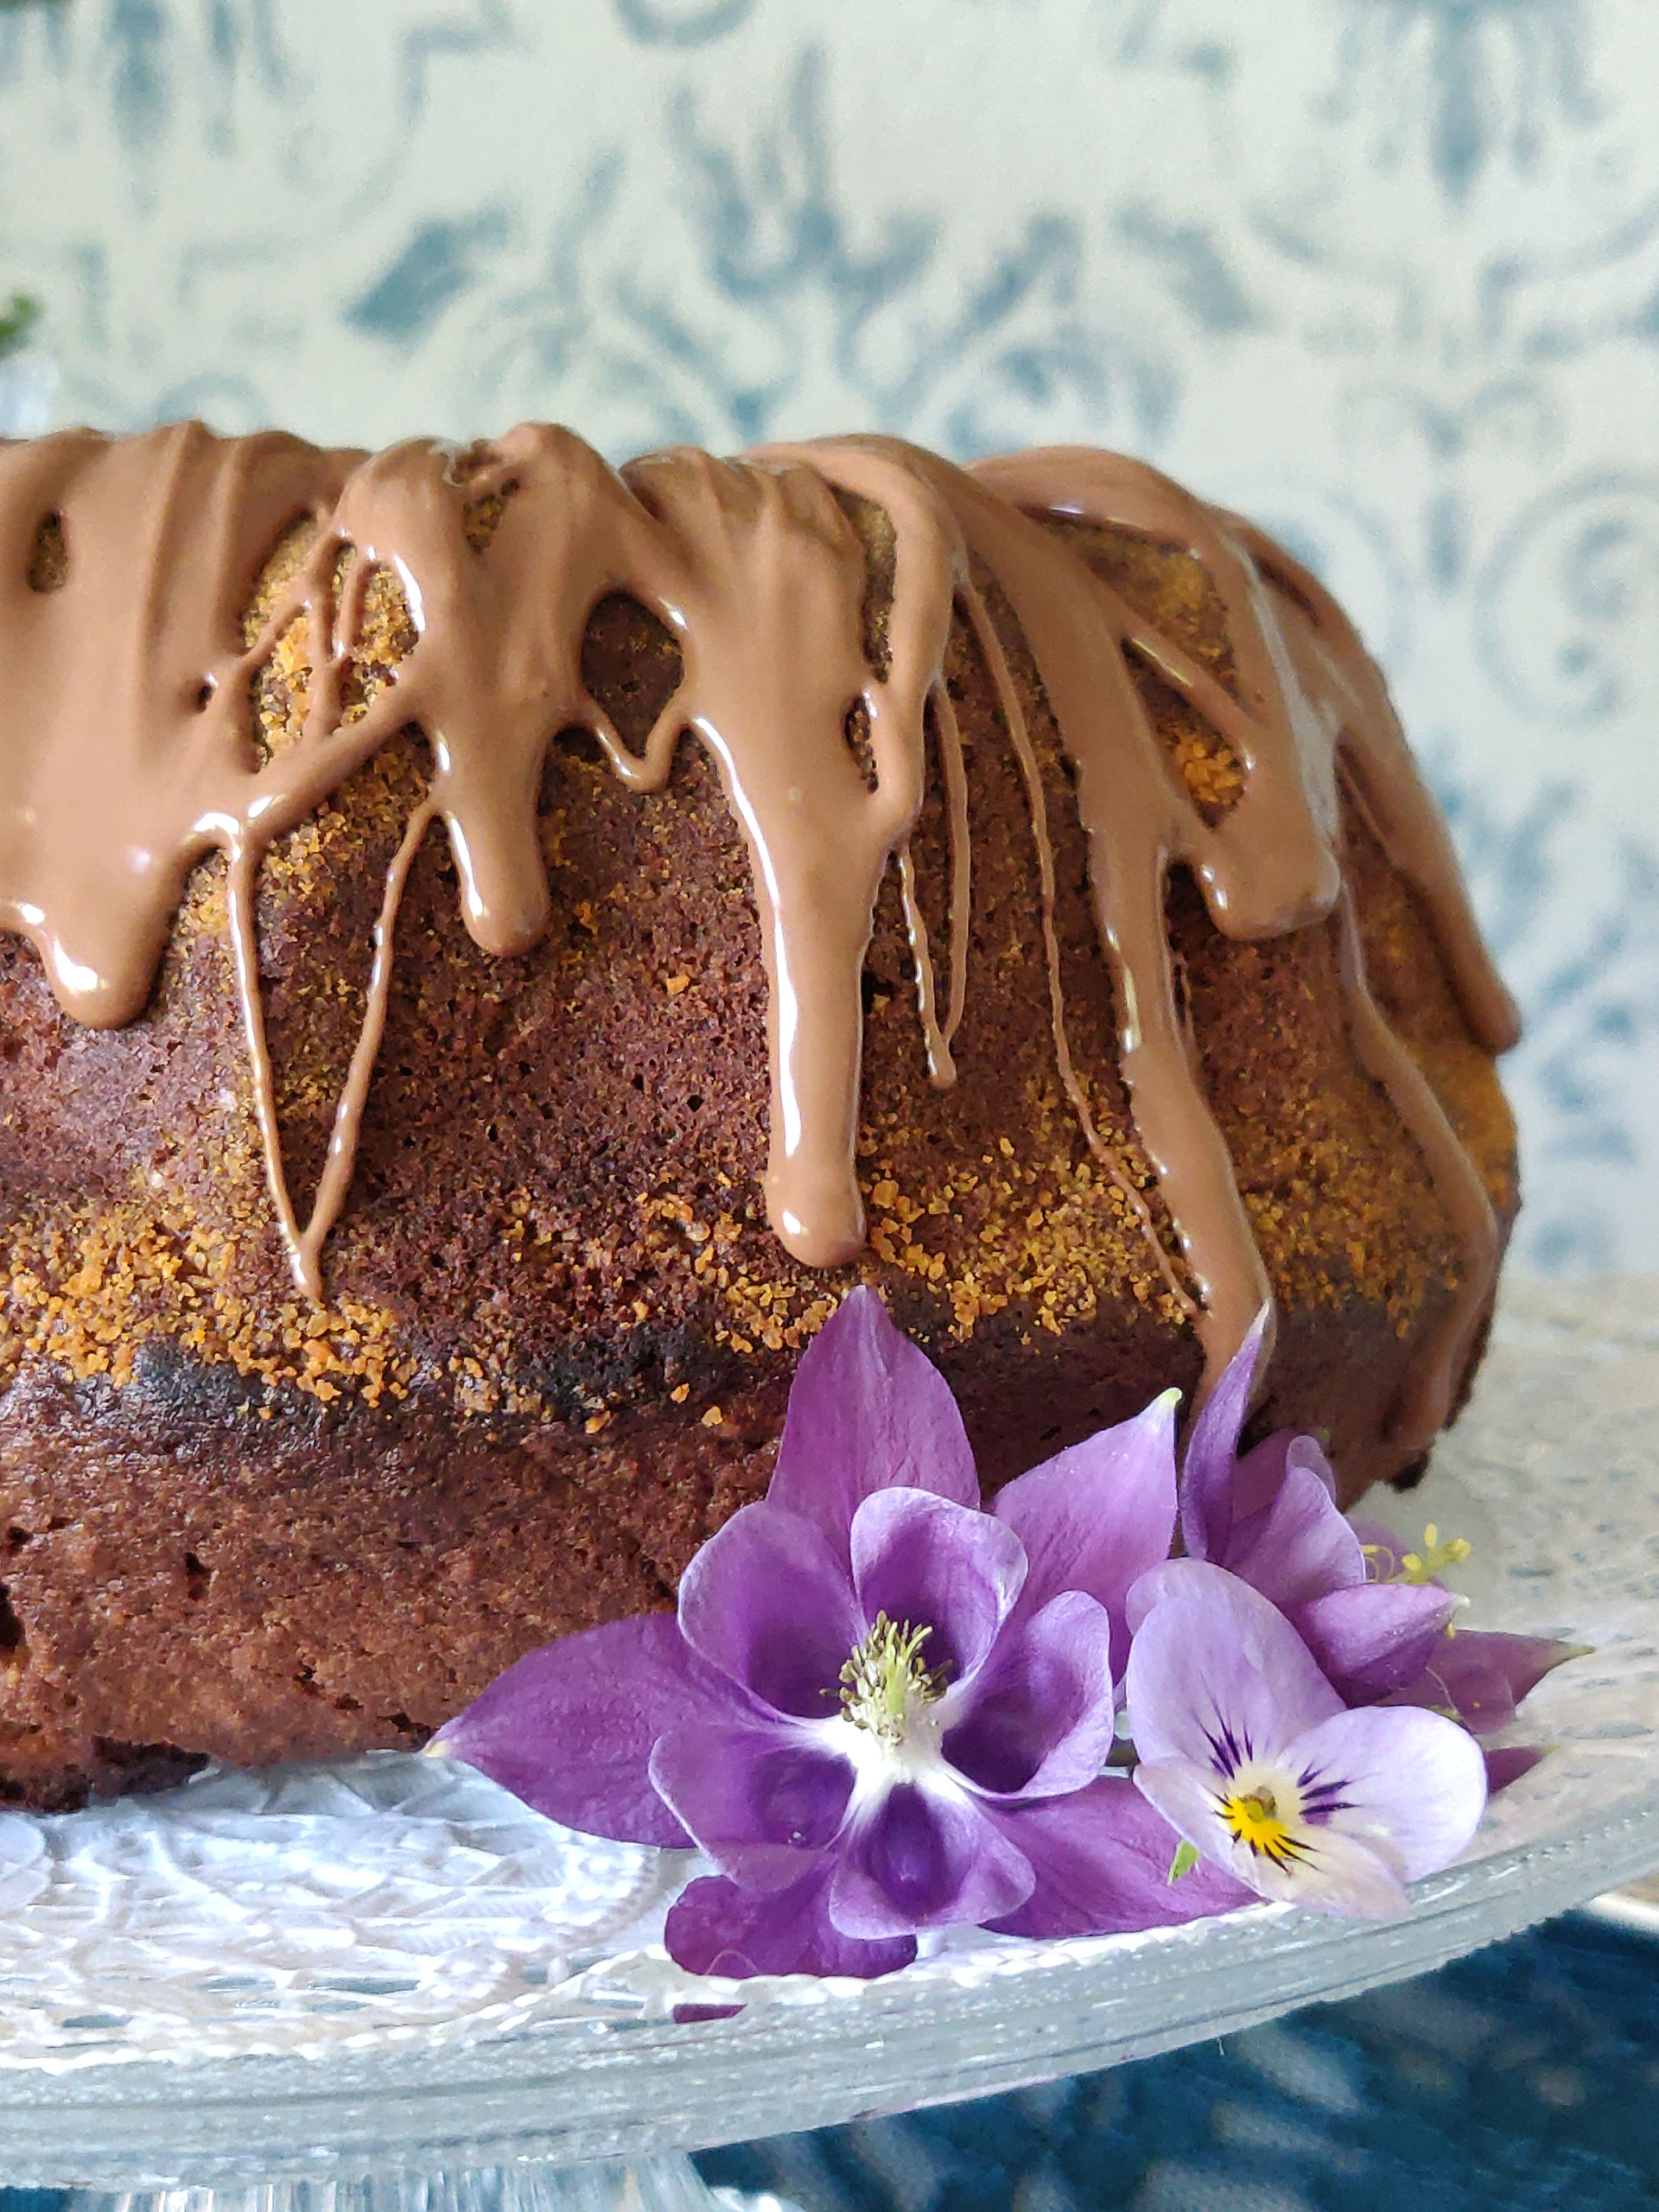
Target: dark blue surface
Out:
[1523,2078]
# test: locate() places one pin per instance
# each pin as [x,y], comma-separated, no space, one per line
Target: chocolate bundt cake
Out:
[491,948]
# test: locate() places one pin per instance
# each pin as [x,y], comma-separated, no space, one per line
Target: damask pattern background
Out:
[1384,273]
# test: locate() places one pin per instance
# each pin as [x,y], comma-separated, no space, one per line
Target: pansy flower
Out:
[1246,1750]
[880,1709]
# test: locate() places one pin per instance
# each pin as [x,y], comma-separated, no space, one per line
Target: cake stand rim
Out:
[232,2092]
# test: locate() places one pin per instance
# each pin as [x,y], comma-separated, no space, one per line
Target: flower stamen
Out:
[1255,1819]
[1421,1567]
[885,1681]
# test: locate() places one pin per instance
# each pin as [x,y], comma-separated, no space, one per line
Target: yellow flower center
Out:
[1255,1819]
[885,1681]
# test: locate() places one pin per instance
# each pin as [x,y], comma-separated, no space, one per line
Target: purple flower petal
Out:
[1213,1450]
[1376,1638]
[1507,1763]
[918,1859]
[1102,1858]
[1039,1718]
[1342,1877]
[1480,1676]
[1299,1546]
[767,1601]
[867,1411]
[927,1562]
[570,1728]
[1218,1674]
[1414,1794]
[1258,1475]
[716,1928]
[1098,1517]
[1334,1873]
[1152,1587]
[763,1802]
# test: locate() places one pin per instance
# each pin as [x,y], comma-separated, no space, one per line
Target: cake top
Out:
[129,751]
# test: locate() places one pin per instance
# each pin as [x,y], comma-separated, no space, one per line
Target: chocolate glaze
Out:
[127,753]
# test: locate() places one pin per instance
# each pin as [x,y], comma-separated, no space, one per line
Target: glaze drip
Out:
[127,753]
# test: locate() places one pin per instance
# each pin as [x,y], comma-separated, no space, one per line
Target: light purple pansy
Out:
[880,1709]
[1247,1750]
[1270,1517]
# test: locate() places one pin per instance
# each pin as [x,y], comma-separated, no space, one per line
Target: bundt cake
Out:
[492,947]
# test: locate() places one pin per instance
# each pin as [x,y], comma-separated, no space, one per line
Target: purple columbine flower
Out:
[880,1709]
[1373,1614]
[1249,1752]
[1270,1517]
[1478,1676]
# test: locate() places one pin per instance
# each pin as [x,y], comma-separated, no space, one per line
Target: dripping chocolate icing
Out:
[127,753]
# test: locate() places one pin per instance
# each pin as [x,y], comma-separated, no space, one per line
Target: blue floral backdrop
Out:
[1384,272]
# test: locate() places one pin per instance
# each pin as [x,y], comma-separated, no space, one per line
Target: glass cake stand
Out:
[388,1982]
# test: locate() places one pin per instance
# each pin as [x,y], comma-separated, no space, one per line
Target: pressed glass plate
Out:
[390,1967]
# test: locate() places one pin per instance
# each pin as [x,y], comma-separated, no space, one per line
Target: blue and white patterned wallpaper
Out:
[1384,273]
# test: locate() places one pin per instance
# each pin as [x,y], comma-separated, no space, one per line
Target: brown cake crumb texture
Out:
[559,1330]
